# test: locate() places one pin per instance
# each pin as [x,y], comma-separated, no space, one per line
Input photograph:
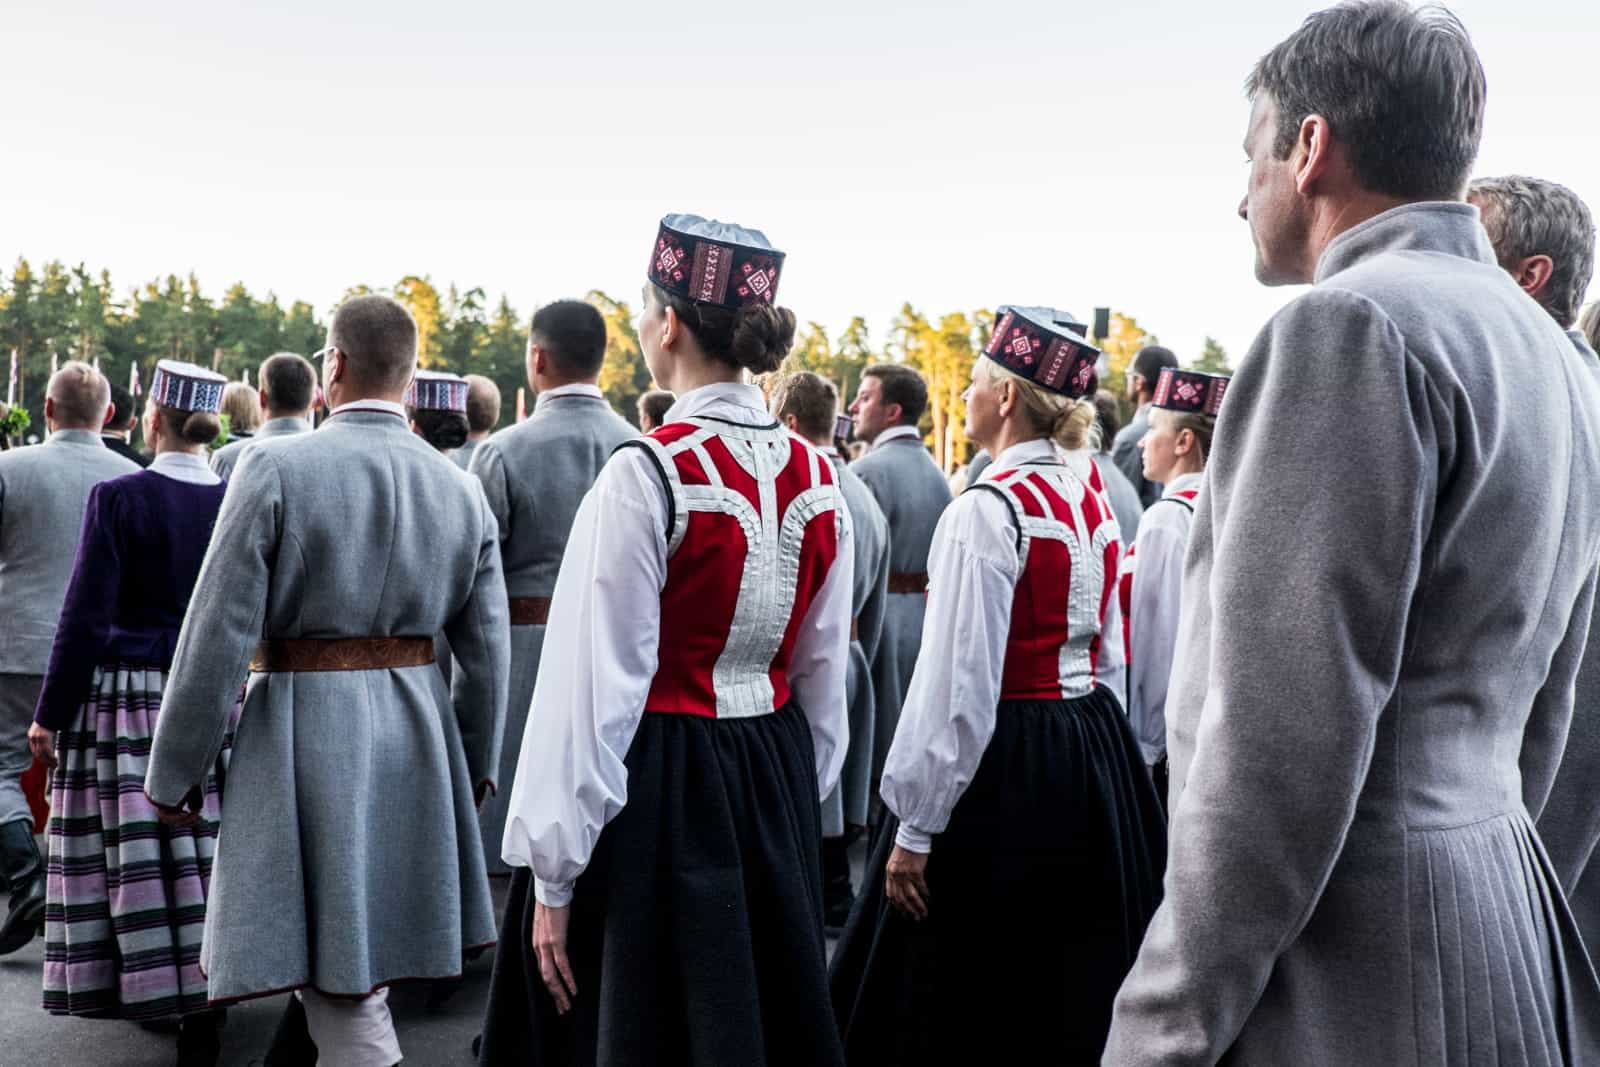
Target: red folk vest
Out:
[1069,550]
[1130,564]
[752,530]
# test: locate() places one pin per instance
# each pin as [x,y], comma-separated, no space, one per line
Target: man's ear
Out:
[1533,274]
[894,413]
[1312,153]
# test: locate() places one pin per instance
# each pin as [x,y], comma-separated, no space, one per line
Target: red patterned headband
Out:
[1190,391]
[706,270]
[1043,346]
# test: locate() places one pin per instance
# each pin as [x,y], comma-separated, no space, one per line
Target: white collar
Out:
[745,401]
[1184,481]
[387,407]
[588,389]
[894,433]
[1040,448]
[184,467]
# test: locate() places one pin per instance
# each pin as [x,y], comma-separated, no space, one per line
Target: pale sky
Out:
[954,155]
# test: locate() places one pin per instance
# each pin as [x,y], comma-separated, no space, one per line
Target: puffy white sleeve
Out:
[1153,625]
[948,716]
[820,659]
[603,633]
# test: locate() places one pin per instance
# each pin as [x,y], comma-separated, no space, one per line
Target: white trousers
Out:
[351,1033]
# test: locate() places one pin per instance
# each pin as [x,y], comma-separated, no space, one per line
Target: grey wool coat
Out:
[43,492]
[224,459]
[850,799]
[1374,679]
[1570,822]
[535,474]
[912,494]
[348,856]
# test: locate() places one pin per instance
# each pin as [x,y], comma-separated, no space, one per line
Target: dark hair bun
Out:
[762,336]
[200,427]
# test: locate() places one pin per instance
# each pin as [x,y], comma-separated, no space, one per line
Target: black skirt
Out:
[1040,889]
[696,930]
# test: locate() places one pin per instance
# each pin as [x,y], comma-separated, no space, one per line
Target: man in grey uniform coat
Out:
[1377,648]
[288,387]
[43,492]
[806,403]
[1544,236]
[483,411]
[912,493]
[352,857]
[535,474]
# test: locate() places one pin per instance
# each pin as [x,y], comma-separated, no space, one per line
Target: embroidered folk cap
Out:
[186,387]
[1190,391]
[1045,346]
[711,262]
[433,390]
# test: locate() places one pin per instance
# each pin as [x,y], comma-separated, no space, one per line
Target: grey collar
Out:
[1444,227]
[78,437]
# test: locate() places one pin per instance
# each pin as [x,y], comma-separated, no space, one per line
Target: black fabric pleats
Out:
[1041,887]
[696,930]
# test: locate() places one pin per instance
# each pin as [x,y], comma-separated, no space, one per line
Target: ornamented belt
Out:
[908,581]
[530,610]
[307,655]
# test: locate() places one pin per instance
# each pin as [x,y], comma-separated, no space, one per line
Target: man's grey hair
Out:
[1533,217]
[1400,87]
[82,396]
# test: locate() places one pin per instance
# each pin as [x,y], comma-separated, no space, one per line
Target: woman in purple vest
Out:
[127,884]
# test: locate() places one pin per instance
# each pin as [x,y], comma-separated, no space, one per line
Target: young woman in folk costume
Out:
[126,889]
[690,715]
[1183,416]
[1025,855]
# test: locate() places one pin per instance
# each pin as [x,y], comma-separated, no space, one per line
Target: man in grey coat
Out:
[912,493]
[806,404]
[483,411]
[43,492]
[1385,601]
[352,858]
[1143,372]
[535,474]
[1544,237]
[288,387]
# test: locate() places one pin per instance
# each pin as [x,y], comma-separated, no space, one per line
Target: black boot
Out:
[198,1043]
[291,1043]
[837,896]
[21,866]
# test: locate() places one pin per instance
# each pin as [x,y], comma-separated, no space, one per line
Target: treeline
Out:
[72,313]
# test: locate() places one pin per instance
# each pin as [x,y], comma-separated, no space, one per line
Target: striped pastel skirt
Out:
[125,899]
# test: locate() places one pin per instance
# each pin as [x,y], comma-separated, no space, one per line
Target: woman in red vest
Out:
[1024,858]
[689,716]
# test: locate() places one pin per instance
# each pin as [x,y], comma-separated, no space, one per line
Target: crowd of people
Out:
[1263,728]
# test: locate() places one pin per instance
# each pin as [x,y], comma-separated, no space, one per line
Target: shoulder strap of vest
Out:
[1011,505]
[666,483]
[1187,505]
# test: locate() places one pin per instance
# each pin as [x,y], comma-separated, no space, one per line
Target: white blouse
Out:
[600,656]
[949,713]
[1157,567]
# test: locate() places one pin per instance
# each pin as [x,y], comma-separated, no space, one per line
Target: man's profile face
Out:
[868,410]
[1272,205]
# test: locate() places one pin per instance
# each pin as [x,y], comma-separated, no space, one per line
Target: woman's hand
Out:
[42,743]
[550,946]
[907,883]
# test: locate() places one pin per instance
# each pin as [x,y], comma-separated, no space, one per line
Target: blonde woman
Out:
[1024,858]
[242,405]
[1183,416]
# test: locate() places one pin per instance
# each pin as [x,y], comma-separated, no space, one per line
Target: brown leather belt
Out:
[908,581]
[855,629]
[530,610]
[302,655]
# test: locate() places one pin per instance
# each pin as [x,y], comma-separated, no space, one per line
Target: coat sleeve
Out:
[86,615]
[1153,625]
[488,466]
[870,622]
[1564,803]
[1306,643]
[480,643]
[221,627]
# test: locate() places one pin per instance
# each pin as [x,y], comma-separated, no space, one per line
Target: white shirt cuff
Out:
[911,839]
[552,894]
